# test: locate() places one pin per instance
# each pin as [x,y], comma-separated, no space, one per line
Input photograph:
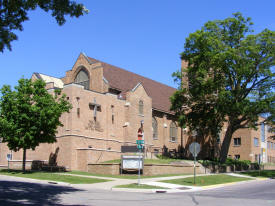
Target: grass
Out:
[52,177]
[207,180]
[262,173]
[123,176]
[141,186]
[150,161]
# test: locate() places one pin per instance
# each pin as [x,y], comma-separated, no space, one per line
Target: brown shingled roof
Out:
[124,81]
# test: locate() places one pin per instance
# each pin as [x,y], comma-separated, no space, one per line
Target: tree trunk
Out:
[226,143]
[24,161]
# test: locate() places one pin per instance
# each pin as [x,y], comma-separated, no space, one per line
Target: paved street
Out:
[16,191]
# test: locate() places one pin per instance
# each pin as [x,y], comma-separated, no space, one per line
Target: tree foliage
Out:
[14,12]
[29,115]
[231,78]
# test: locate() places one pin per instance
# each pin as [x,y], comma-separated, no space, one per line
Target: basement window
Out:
[237,157]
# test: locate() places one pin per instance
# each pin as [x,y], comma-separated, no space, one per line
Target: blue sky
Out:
[142,36]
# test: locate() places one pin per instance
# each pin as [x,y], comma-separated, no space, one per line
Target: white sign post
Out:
[194,148]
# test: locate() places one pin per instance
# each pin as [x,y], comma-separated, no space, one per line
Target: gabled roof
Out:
[124,81]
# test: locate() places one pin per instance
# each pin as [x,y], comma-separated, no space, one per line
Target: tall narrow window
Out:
[155,128]
[78,108]
[82,78]
[256,142]
[140,107]
[113,115]
[263,132]
[173,132]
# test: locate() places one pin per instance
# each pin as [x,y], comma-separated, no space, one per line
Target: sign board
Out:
[9,157]
[132,162]
[194,148]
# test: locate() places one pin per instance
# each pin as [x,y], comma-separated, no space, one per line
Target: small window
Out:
[140,107]
[155,128]
[78,112]
[173,132]
[237,157]
[256,142]
[237,141]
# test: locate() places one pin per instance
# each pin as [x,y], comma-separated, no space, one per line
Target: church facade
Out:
[108,106]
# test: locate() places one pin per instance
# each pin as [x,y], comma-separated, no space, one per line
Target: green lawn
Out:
[207,180]
[53,177]
[262,173]
[123,176]
[141,186]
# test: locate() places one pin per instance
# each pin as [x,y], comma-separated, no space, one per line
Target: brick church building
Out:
[109,104]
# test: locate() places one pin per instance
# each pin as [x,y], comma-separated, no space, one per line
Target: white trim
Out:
[105,80]
[136,87]
[73,84]
[86,57]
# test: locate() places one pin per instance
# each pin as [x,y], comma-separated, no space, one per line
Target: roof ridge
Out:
[131,72]
[49,75]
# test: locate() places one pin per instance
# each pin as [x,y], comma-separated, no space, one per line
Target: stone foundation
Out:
[149,169]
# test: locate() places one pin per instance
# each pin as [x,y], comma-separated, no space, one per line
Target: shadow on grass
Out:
[19,193]
[13,171]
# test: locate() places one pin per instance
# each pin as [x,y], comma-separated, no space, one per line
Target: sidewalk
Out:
[111,185]
[154,182]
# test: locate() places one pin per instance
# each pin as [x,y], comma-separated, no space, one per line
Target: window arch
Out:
[155,128]
[173,132]
[83,79]
[140,107]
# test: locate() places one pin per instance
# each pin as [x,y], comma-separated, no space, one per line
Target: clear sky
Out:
[142,36]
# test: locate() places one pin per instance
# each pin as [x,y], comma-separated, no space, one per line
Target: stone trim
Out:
[106,150]
[96,138]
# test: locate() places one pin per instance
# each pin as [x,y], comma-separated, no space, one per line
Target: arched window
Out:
[140,107]
[155,128]
[82,78]
[173,132]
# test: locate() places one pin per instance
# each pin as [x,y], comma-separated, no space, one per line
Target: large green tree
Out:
[29,115]
[231,78]
[14,12]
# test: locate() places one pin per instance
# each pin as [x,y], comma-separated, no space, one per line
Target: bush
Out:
[239,164]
